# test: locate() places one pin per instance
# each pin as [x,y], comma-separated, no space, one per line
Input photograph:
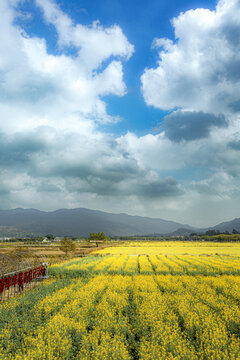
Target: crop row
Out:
[153,264]
[125,317]
[173,248]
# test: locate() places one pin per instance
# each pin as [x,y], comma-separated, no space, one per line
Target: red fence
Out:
[15,282]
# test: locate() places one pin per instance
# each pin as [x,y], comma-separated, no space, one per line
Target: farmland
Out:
[49,252]
[137,301]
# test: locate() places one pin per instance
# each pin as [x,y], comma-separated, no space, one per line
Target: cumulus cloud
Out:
[200,69]
[235,145]
[197,78]
[159,188]
[190,125]
[52,151]
[46,84]
[94,43]
[51,106]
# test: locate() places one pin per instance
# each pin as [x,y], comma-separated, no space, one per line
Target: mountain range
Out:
[80,222]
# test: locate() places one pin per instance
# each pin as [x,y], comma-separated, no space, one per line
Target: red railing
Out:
[16,282]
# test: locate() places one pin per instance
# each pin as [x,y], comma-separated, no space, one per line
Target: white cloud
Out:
[51,106]
[200,69]
[199,73]
[52,152]
[50,86]
[94,43]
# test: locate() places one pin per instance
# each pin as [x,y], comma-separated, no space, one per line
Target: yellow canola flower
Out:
[145,265]
[118,265]
[131,264]
[180,306]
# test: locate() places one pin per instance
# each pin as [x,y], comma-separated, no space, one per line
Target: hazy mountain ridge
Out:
[81,221]
[227,226]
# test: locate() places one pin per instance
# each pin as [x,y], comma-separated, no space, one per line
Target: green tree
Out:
[50,237]
[97,237]
[39,238]
[67,245]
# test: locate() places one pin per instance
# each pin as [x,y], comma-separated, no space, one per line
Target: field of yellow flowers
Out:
[129,306]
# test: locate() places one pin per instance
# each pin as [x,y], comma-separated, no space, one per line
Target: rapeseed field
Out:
[122,303]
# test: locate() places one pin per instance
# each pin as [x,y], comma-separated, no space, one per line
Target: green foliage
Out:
[67,245]
[218,238]
[39,238]
[50,237]
[98,237]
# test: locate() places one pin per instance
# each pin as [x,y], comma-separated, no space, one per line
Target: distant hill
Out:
[183,232]
[227,226]
[222,228]
[80,222]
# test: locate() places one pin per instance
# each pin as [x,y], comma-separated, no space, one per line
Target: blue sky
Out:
[141,22]
[121,106]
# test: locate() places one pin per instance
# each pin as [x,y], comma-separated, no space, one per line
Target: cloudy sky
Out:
[121,106]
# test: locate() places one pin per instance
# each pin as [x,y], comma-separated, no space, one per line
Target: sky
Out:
[121,106]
